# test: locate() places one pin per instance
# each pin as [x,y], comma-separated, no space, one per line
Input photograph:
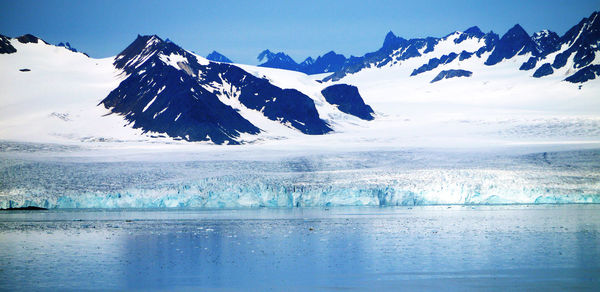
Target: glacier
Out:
[381,178]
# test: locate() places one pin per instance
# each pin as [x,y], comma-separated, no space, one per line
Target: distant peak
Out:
[544,33]
[474,30]
[67,46]
[308,61]
[389,37]
[517,28]
[148,38]
[391,40]
[29,38]
[218,57]
[264,54]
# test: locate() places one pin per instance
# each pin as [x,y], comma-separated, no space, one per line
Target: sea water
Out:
[506,247]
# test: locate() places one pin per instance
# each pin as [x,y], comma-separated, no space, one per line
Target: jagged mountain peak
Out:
[277,60]
[515,41]
[474,30]
[67,46]
[218,57]
[392,41]
[517,29]
[5,45]
[308,61]
[330,54]
[142,48]
[547,41]
[390,36]
[29,38]
[581,41]
[264,54]
[268,55]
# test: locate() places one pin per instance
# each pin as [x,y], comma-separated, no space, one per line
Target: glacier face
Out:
[385,178]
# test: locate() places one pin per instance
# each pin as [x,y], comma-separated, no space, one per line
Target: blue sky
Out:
[241,29]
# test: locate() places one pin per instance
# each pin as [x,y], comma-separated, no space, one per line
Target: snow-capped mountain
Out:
[277,60]
[167,92]
[467,84]
[546,50]
[218,57]
[329,62]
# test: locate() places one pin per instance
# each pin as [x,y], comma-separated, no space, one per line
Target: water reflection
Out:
[253,253]
[423,248]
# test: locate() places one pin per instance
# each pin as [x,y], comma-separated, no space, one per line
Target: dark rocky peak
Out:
[5,45]
[307,62]
[67,46]
[29,38]
[582,40]
[218,57]
[474,31]
[392,42]
[514,41]
[169,90]
[145,47]
[490,39]
[277,60]
[517,31]
[287,106]
[471,32]
[331,54]
[330,62]
[546,41]
[589,25]
[266,54]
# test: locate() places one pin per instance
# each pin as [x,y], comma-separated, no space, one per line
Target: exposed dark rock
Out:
[28,38]
[181,99]
[544,70]
[515,41]
[434,63]
[348,100]
[5,45]
[582,40]
[530,64]
[585,74]
[547,42]
[452,73]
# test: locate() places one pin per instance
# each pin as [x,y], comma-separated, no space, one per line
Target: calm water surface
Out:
[544,247]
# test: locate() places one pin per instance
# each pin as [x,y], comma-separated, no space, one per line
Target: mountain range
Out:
[157,90]
[547,52]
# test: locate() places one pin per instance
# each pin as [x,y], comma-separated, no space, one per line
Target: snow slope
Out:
[57,100]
